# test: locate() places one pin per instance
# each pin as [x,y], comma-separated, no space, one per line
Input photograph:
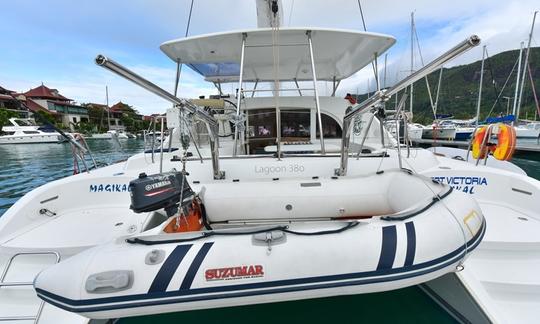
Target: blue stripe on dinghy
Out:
[388,248]
[142,300]
[194,267]
[167,270]
[411,244]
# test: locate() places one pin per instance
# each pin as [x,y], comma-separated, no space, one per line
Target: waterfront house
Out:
[51,101]
[9,103]
[99,116]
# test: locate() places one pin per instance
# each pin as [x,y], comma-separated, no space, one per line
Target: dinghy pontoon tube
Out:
[302,241]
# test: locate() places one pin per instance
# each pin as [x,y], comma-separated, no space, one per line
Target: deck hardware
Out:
[522,191]
[46,212]
[48,199]
[310,184]
[154,257]
[269,238]
[109,281]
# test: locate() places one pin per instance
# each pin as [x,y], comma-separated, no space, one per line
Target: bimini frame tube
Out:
[381,96]
[179,102]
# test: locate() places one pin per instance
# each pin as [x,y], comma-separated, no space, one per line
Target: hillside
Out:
[459,88]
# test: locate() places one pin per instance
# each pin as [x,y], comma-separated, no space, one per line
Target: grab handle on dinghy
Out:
[109,281]
[405,216]
[285,229]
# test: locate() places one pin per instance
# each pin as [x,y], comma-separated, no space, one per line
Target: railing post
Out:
[239,95]
[317,103]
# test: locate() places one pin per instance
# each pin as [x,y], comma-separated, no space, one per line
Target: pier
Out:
[528,150]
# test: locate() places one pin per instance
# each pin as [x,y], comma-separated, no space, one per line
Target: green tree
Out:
[42,116]
[5,115]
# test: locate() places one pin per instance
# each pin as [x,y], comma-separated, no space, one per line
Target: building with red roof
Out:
[10,103]
[50,100]
[114,114]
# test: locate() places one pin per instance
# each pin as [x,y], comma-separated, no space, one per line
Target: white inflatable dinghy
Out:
[272,241]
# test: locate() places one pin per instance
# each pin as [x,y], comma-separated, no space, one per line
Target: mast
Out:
[108,108]
[412,65]
[514,107]
[480,88]
[525,65]
[534,92]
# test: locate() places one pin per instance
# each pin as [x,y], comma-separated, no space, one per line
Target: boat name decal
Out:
[289,168]
[465,184]
[232,273]
[113,187]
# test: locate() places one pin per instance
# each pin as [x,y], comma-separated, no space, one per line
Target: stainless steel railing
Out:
[211,123]
[382,96]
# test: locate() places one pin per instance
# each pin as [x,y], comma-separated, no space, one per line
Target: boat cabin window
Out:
[295,124]
[331,128]
[31,132]
[25,122]
[262,130]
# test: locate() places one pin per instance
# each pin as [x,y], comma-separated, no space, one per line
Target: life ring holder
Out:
[502,150]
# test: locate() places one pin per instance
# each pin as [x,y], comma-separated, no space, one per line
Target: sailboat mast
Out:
[480,87]
[516,92]
[526,63]
[108,108]
[412,66]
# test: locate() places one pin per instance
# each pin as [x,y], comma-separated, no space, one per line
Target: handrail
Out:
[382,96]
[179,102]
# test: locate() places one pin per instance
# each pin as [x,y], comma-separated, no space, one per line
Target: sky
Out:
[56,41]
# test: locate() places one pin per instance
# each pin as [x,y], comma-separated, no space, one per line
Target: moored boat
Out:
[25,131]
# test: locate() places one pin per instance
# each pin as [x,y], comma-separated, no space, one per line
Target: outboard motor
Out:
[164,190]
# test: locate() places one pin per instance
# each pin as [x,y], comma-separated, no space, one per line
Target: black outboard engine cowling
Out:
[163,190]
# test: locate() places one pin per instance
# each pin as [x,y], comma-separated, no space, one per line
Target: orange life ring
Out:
[506,143]
[502,150]
[478,150]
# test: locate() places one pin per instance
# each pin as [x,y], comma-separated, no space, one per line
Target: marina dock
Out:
[530,150]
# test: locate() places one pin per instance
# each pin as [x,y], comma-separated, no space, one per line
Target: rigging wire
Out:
[433,105]
[493,80]
[504,86]
[290,12]
[179,64]
[372,63]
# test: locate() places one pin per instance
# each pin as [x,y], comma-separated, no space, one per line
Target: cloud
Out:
[37,46]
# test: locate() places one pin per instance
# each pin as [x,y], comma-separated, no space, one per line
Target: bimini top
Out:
[337,53]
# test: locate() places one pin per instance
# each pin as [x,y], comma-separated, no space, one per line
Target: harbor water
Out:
[25,167]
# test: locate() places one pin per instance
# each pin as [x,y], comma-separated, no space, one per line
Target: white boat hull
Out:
[31,138]
[439,133]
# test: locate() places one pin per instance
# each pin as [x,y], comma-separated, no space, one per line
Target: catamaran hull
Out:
[261,264]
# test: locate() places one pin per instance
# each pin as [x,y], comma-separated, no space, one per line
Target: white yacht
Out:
[529,130]
[25,131]
[439,131]
[271,145]
[109,135]
[464,128]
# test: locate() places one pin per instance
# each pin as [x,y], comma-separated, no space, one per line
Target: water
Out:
[24,167]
